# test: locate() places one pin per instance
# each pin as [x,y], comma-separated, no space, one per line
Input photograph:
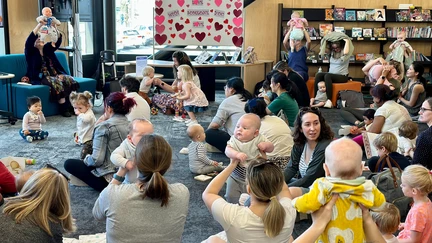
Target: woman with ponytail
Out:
[270,216]
[150,210]
[111,129]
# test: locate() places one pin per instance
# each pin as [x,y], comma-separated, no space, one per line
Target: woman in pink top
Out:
[379,71]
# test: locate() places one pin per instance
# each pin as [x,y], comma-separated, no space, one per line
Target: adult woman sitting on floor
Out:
[297,82]
[311,136]
[228,113]
[150,210]
[111,129]
[42,211]
[423,151]
[413,92]
[166,101]
[339,47]
[389,114]
[285,101]
[270,216]
[43,67]
[275,130]
[298,53]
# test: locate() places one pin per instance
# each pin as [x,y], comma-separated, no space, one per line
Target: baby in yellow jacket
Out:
[343,168]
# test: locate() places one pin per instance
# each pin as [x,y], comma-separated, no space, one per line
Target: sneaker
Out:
[212,149]
[187,120]
[29,139]
[328,104]
[193,122]
[178,118]
[344,131]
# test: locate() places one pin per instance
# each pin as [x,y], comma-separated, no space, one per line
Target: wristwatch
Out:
[383,77]
[119,178]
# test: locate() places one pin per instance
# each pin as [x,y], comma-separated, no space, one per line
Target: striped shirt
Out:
[198,156]
[303,166]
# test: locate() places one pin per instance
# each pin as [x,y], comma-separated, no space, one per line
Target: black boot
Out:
[64,110]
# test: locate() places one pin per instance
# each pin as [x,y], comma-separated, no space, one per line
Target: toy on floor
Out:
[48,32]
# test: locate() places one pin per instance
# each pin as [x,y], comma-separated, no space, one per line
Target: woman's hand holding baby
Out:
[130,165]
[241,156]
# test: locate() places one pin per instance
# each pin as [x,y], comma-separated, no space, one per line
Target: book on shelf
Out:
[312,56]
[356,32]
[339,29]
[312,32]
[301,12]
[339,14]
[360,56]
[369,56]
[361,15]
[325,58]
[352,58]
[379,32]
[367,33]
[416,14]
[324,29]
[403,15]
[380,14]
[350,15]
[426,15]
[329,14]
[370,15]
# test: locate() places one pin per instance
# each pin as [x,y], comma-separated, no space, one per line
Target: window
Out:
[85,35]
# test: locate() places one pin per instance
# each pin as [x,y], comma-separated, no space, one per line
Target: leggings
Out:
[83,172]
[217,138]
[35,134]
[329,79]
[352,115]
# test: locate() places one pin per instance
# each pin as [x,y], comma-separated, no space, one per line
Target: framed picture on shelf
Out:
[361,15]
[379,15]
[235,56]
[350,15]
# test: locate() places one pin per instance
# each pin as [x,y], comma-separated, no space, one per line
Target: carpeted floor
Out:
[60,146]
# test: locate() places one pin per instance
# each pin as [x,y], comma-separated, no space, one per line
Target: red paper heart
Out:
[229,13]
[208,4]
[181,18]
[182,35]
[160,39]
[228,5]
[200,36]
[237,41]
[169,5]
[179,26]
[238,5]
[170,21]
[187,5]
[237,12]
[159,3]
[218,26]
[187,21]
[159,11]
[170,28]
[226,21]
[211,10]
[160,29]
[229,27]
[199,18]
[192,36]
[210,20]
[217,38]
[160,19]
[169,42]
[173,35]
[238,31]
[228,33]
[182,10]
[190,31]
[208,27]
[209,34]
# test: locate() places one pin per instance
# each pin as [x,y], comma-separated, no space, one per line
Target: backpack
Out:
[350,98]
[388,182]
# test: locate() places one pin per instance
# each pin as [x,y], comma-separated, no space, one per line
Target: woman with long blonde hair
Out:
[270,216]
[42,211]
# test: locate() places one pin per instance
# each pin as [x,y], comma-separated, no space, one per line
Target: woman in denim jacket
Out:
[111,129]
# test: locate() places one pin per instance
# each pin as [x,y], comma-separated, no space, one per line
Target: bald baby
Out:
[247,127]
[343,159]
[196,133]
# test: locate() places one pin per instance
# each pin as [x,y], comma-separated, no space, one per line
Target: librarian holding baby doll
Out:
[340,48]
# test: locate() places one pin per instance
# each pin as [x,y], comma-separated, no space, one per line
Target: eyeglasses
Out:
[49,166]
[422,109]
[307,109]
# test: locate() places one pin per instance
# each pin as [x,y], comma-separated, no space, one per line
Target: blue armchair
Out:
[16,64]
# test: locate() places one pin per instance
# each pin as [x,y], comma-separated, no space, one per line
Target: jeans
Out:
[35,134]
[234,189]
[329,79]
[80,170]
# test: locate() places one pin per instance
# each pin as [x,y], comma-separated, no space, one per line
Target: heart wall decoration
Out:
[199,22]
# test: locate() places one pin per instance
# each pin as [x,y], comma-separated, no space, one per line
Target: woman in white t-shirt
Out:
[389,114]
[270,216]
[275,130]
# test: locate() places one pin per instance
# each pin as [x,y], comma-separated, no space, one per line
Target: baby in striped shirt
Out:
[199,163]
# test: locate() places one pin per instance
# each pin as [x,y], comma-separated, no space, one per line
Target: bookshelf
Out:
[317,16]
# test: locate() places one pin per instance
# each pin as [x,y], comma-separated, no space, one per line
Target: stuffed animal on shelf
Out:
[48,32]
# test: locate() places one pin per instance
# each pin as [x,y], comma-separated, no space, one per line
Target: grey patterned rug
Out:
[60,146]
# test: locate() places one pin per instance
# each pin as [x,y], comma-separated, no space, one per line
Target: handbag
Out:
[388,181]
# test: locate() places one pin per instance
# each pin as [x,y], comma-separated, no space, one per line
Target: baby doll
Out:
[297,25]
[48,32]
[399,48]
[321,96]
[123,155]
[33,120]
[199,163]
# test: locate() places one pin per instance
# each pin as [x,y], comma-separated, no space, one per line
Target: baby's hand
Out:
[130,165]
[354,130]
[26,132]
[40,113]
[401,226]
[215,164]
[241,156]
